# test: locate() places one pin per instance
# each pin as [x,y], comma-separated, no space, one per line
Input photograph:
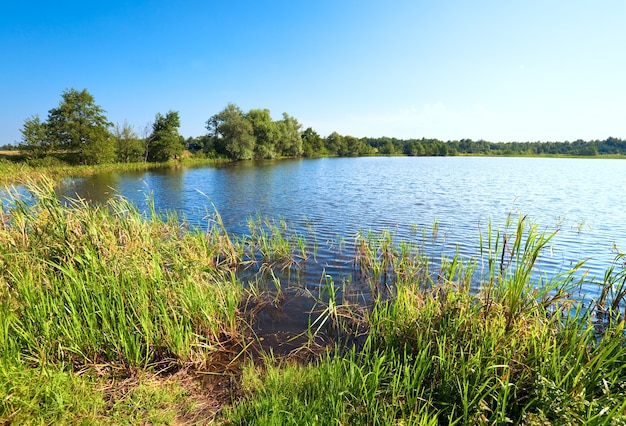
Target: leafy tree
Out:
[35,141]
[356,147]
[265,131]
[209,148]
[130,148]
[335,144]
[290,141]
[312,143]
[414,148]
[9,147]
[586,148]
[99,153]
[388,148]
[165,142]
[213,145]
[80,126]
[232,133]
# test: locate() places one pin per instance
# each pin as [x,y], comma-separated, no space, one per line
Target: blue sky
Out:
[495,70]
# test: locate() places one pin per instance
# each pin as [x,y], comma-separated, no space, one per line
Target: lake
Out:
[449,199]
[336,197]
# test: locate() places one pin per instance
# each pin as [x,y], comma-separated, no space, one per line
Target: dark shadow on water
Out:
[290,310]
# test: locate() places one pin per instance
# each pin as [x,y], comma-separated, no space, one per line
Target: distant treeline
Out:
[435,147]
[239,135]
[77,131]
[9,147]
[313,145]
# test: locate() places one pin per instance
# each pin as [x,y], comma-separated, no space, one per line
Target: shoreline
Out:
[133,310]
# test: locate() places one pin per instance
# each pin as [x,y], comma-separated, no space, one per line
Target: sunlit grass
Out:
[18,172]
[100,306]
[58,396]
[443,352]
[90,285]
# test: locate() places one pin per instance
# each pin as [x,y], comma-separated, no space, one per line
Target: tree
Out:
[35,139]
[335,144]
[388,149]
[130,148]
[165,142]
[290,141]
[414,148]
[233,133]
[265,131]
[213,146]
[80,126]
[312,143]
[356,147]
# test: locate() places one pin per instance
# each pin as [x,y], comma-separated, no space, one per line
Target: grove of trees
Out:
[244,136]
[78,131]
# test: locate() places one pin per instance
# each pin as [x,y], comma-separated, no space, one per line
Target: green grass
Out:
[90,285]
[440,353]
[106,291]
[16,169]
[57,396]
[109,315]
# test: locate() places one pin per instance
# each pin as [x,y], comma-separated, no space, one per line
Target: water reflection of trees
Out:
[94,189]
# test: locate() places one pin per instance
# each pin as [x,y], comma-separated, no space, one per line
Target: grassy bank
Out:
[93,294]
[20,172]
[114,316]
[15,170]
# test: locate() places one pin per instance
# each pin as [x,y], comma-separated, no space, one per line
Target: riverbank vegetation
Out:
[19,172]
[77,132]
[113,315]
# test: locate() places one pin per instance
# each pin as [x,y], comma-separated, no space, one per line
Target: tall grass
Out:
[12,172]
[272,245]
[517,349]
[91,285]
[93,295]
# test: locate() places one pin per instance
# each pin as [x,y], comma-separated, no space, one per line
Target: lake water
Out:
[334,198]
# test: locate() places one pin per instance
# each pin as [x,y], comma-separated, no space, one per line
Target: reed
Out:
[271,244]
[613,292]
[334,318]
[104,285]
[381,261]
[50,167]
[91,296]
[512,348]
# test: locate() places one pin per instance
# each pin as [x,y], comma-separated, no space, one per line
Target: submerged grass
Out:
[271,245]
[109,315]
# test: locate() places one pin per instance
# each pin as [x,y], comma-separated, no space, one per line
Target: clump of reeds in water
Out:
[516,347]
[380,261]
[272,245]
[272,252]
